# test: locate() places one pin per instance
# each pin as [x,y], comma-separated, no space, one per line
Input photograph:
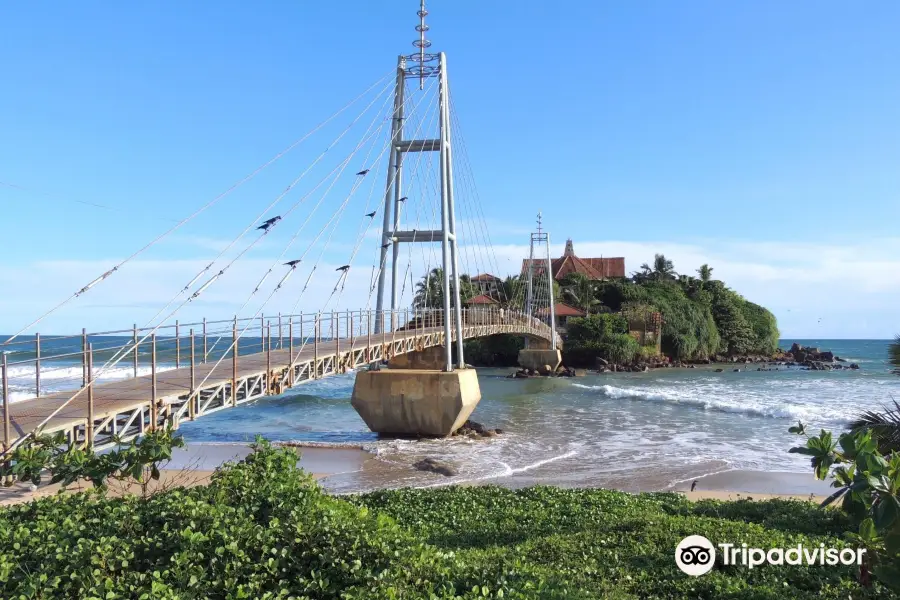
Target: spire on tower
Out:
[422,43]
[539,222]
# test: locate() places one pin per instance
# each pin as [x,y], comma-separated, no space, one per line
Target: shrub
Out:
[264,529]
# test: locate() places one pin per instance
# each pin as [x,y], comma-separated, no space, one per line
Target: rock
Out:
[488,433]
[580,372]
[645,369]
[602,362]
[498,431]
[474,426]
[839,359]
[719,370]
[441,467]
[854,366]
[736,371]
[826,356]
[545,370]
[522,375]
[796,348]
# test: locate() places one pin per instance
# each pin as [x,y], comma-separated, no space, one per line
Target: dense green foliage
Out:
[701,317]
[264,529]
[494,351]
[869,483]
[135,462]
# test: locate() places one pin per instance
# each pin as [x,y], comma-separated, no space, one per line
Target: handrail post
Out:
[369,335]
[37,365]
[280,337]
[262,333]
[316,347]
[192,409]
[205,352]
[7,442]
[336,334]
[89,430]
[291,342]
[84,345]
[302,339]
[177,345]
[134,356]
[350,328]
[269,361]
[234,363]
[153,415]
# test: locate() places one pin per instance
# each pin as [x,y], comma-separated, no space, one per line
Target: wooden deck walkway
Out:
[129,407]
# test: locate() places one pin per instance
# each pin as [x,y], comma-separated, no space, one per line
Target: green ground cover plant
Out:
[264,529]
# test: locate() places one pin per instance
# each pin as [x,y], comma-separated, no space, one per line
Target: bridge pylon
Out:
[428,397]
[422,65]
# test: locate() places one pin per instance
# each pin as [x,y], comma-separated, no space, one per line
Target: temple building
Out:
[592,268]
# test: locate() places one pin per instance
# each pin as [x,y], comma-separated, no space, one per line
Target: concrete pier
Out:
[537,359]
[416,401]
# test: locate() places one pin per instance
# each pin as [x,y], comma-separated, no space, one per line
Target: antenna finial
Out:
[422,43]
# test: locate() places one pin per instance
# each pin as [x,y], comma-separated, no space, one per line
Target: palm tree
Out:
[662,270]
[580,291]
[705,272]
[430,290]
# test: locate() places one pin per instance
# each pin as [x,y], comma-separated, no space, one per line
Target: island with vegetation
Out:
[654,317]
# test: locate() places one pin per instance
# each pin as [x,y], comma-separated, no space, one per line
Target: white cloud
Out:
[817,290]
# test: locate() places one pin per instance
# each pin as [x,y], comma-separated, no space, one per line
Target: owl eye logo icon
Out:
[695,555]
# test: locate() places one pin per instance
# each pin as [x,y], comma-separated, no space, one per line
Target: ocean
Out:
[632,431]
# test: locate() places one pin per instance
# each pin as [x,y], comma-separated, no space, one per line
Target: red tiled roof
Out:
[564,310]
[485,277]
[481,299]
[593,268]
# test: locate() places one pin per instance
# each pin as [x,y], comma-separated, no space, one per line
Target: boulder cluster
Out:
[812,358]
[547,371]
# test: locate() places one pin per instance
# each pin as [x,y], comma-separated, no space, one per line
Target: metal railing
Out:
[47,373]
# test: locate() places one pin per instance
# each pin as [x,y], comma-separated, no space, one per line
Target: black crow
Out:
[371,214]
[363,172]
[293,263]
[693,485]
[268,223]
[403,199]
[344,268]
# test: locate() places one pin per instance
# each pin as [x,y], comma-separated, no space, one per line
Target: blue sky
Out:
[761,137]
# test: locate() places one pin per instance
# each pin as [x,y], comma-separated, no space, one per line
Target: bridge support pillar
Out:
[416,401]
[539,359]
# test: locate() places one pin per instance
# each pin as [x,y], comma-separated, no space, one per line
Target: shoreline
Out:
[195,464]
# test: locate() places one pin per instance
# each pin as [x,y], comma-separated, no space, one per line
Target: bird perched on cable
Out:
[268,223]
[403,199]
[386,245]
[344,268]
[293,263]
[371,214]
[363,172]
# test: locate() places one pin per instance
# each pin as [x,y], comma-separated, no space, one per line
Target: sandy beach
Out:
[194,464]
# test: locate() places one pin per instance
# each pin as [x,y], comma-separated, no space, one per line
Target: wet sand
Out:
[757,485]
[194,465]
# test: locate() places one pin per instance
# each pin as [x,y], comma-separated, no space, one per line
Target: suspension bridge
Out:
[407,349]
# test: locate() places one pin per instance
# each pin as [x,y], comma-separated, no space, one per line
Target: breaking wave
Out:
[710,402]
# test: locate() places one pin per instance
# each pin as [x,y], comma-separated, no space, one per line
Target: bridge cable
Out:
[178,225]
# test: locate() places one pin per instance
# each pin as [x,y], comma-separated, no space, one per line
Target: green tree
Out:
[578,290]
[662,270]
[705,272]
[430,290]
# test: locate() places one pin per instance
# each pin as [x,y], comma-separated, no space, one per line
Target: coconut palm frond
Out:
[894,354]
[884,425]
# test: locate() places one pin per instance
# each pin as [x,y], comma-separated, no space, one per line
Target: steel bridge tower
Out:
[422,65]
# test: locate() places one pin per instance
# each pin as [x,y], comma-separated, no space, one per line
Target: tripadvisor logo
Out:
[695,555]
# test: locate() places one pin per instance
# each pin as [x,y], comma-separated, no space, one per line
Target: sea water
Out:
[634,431]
